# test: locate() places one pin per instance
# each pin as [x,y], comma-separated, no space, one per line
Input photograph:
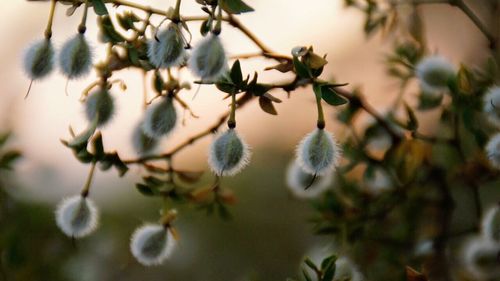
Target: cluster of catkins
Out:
[481,253]
[77,216]
[434,74]
[75,58]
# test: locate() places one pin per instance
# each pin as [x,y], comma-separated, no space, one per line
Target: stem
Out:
[48,30]
[88,183]
[475,19]
[231,123]
[83,27]
[321,115]
[176,17]
[218,26]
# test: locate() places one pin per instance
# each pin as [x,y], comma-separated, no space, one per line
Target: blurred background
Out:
[269,233]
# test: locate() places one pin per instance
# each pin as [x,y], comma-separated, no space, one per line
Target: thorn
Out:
[29,89]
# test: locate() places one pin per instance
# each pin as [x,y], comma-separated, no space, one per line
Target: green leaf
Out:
[127,20]
[236,75]
[267,105]
[307,277]
[4,137]
[144,189]
[310,264]
[133,55]
[100,7]
[98,146]
[83,138]
[235,6]
[108,30]
[301,69]
[412,124]
[8,159]
[331,97]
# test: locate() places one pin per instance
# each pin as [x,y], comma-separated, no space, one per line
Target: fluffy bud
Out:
[143,144]
[346,270]
[39,59]
[101,103]
[318,152]
[304,185]
[208,60]
[77,216]
[151,244]
[433,73]
[229,154]
[168,50]
[160,119]
[76,57]
[491,105]
[481,258]
[379,182]
[493,151]
[491,224]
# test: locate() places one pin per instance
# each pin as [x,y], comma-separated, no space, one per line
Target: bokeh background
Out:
[269,234]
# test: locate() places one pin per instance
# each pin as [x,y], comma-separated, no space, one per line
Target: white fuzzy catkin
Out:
[493,151]
[318,152]
[491,224]
[77,216]
[491,106]
[346,270]
[380,182]
[151,244]
[101,103]
[39,59]
[167,49]
[433,72]
[160,119]
[208,60]
[298,180]
[480,256]
[228,154]
[75,58]
[142,143]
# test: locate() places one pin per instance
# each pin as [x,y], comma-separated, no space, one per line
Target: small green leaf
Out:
[8,159]
[412,123]
[83,138]
[235,6]
[144,189]
[236,75]
[99,7]
[108,30]
[310,264]
[267,105]
[301,69]
[331,97]
[98,146]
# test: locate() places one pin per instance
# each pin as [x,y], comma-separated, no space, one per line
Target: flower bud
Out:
[143,144]
[151,244]
[433,73]
[39,59]
[77,216]
[228,154]
[491,106]
[491,224]
[76,57]
[493,151]
[304,185]
[168,50]
[318,152]
[346,270]
[160,119]
[481,258]
[100,103]
[208,60]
